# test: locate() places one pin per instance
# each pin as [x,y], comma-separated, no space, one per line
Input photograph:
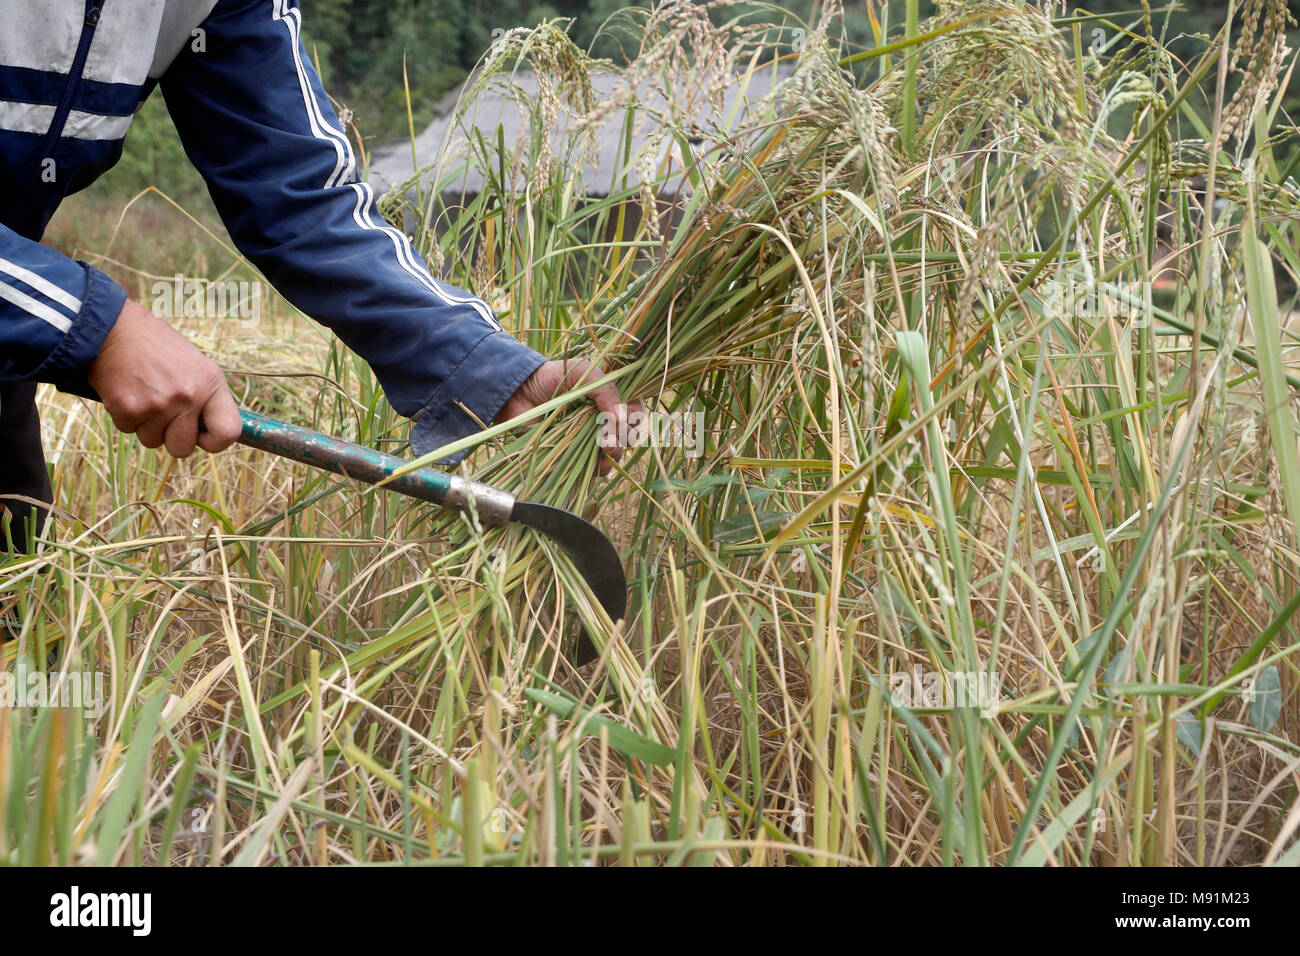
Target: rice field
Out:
[983,553]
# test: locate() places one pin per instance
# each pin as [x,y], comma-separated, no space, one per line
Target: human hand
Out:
[559,376]
[162,389]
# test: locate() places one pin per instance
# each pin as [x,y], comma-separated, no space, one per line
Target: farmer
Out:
[255,121]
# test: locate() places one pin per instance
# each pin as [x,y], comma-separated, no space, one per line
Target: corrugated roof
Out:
[444,140]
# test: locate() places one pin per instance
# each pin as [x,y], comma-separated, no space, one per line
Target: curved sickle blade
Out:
[592,554]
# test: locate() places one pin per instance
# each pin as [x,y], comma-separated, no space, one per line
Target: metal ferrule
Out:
[493,505]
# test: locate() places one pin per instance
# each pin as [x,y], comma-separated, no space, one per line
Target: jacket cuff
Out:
[483,382]
[67,365]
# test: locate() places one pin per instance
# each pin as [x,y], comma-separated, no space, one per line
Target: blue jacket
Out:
[256,123]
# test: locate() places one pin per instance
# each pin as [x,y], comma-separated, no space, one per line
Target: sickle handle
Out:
[367,465]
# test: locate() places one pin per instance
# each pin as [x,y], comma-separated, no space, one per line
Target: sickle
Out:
[591,552]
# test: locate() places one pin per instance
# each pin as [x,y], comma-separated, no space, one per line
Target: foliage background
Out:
[361,47]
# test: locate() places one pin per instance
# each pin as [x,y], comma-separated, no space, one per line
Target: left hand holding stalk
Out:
[563,375]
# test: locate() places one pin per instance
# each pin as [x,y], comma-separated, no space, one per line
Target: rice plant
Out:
[987,555]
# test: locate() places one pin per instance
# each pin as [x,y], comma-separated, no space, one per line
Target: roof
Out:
[444,140]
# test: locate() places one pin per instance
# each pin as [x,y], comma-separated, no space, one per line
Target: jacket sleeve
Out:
[54,313]
[256,123]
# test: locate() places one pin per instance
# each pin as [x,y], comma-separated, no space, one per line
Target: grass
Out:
[919,469]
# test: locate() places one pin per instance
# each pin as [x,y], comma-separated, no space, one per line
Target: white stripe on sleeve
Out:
[38,309]
[42,285]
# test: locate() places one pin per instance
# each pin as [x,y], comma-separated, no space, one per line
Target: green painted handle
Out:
[341,457]
[493,506]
